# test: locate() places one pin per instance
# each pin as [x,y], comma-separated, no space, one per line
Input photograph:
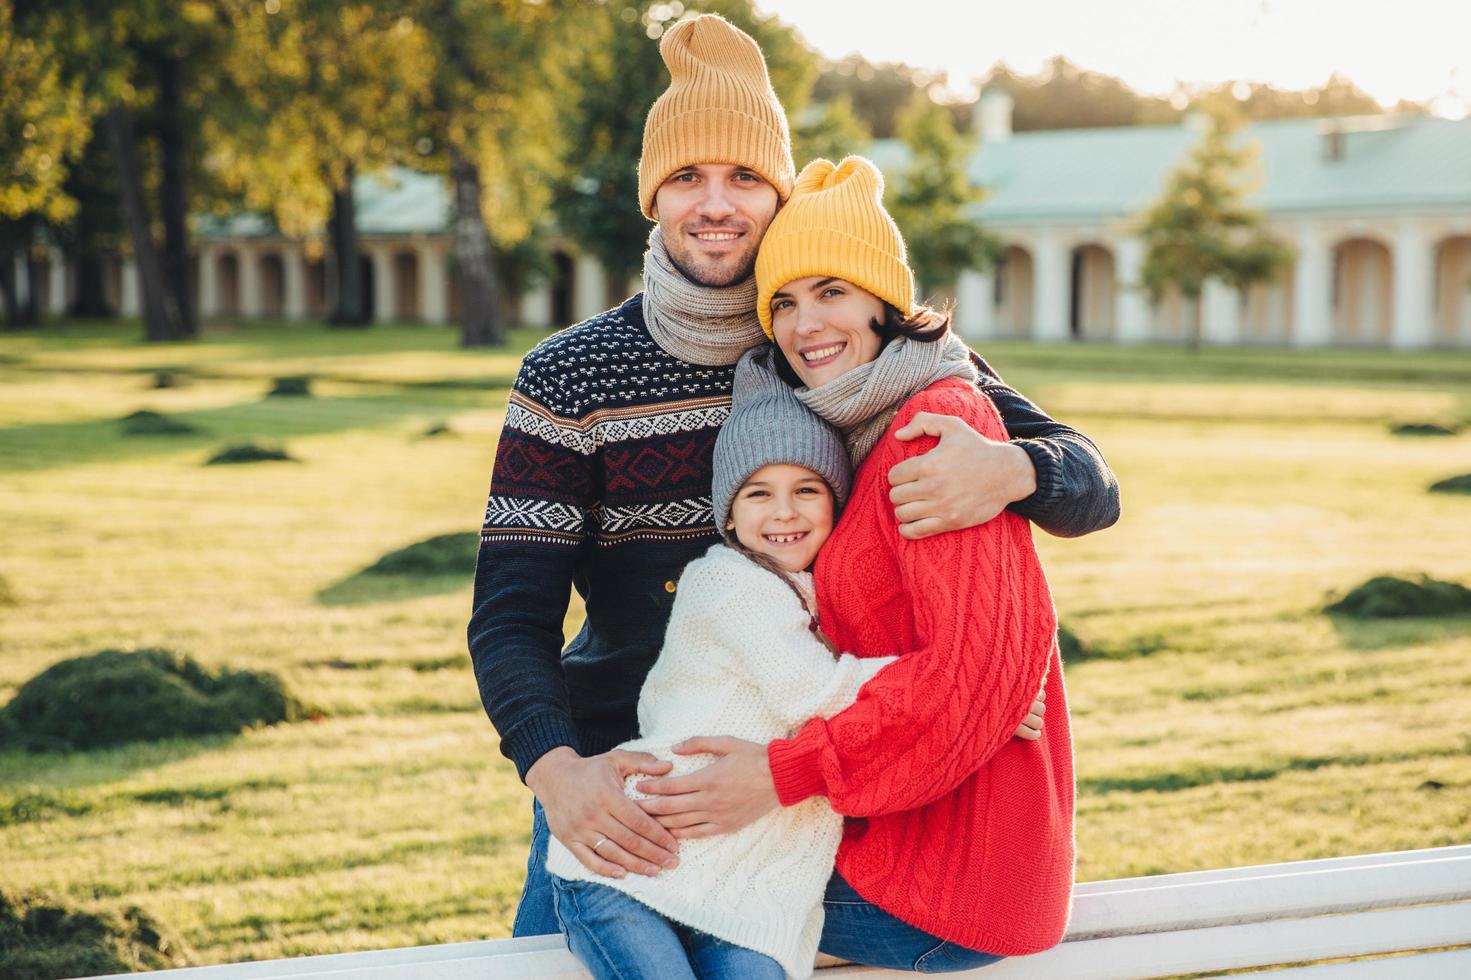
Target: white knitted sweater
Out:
[739,659]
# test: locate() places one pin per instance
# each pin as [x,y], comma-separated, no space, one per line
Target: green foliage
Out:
[1070,646]
[829,130]
[165,379]
[935,196]
[1201,229]
[1338,96]
[291,386]
[1423,429]
[145,422]
[45,120]
[115,696]
[1064,96]
[43,940]
[444,554]
[250,452]
[1453,484]
[879,94]
[1388,597]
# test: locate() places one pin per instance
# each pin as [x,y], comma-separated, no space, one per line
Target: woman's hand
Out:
[728,794]
[963,481]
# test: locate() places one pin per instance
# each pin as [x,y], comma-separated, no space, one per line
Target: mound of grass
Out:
[444,554]
[1423,429]
[1073,649]
[440,428]
[250,452]
[166,379]
[1453,484]
[114,696]
[149,423]
[291,386]
[42,940]
[1388,597]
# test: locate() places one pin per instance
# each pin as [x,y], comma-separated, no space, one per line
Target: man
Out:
[602,475]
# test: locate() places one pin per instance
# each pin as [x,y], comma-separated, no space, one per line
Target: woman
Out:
[959,849]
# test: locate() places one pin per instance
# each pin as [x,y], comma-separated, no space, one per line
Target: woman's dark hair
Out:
[926,325]
[770,564]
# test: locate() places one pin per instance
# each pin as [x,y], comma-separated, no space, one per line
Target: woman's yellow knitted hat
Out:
[835,224]
[719,108]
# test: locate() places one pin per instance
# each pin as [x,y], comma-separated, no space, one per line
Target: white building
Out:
[1378,209]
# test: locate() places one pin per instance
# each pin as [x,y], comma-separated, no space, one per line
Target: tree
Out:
[830,130]
[498,77]
[934,198]
[314,93]
[44,123]
[616,83]
[1201,229]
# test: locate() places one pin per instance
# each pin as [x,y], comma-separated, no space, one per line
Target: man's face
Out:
[713,216]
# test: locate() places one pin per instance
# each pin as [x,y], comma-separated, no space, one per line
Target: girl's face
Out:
[785,512]
[824,326]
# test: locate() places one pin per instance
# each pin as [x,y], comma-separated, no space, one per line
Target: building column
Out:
[1131,322]
[383,285]
[1414,281]
[1052,272]
[590,288]
[975,304]
[248,280]
[128,302]
[293,281]
[56,288]
[1312,289]
[1220,312]
[433,283]
[209,281]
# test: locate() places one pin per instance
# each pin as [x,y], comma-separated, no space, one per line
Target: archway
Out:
[316,288]
[1014,284]
[564,273]
[1266,317]
[272,285]
[405,286]
[1094,293]
[1453,291]
[1363,292]
[227,283]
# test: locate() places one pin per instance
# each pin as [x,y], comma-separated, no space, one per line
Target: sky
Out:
[1393,49]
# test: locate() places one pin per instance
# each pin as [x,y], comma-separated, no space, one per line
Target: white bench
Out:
[1274,915]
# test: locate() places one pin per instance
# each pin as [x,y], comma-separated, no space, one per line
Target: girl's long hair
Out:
[770,564]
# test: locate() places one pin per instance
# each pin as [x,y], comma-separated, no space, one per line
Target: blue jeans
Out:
[855,929]
[618,938]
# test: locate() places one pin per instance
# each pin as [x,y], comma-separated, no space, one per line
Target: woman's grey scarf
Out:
[697,324]
[863,401]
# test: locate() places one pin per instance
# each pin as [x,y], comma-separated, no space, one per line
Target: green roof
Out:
[1388,164]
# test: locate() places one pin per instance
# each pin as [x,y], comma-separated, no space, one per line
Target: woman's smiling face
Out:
[824,326]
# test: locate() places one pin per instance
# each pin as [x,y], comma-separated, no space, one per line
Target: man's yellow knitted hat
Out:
[835,224]
[719,108]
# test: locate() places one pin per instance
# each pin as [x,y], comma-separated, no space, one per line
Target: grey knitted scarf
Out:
[863,401]
[697,324]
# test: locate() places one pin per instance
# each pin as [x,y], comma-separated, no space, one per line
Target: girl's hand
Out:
[1031,726]
[728,794]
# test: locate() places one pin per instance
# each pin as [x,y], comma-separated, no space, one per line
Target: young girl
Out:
[742,657]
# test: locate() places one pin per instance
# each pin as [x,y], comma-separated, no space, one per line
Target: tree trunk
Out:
[91,298]
[7,290]
[173,193]
[161,319]
[481,324]
[348,309]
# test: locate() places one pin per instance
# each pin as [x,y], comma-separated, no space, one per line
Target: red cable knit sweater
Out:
[957,827]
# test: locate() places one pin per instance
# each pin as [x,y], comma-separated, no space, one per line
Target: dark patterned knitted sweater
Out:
[602,483]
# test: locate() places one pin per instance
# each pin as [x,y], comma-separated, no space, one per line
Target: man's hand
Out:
[723,797]
[965,480]
[588,811]
[1031,726]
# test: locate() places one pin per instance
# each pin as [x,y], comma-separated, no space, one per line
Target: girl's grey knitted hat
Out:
[769,425]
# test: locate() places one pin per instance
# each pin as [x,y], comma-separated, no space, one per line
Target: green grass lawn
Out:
[1230,721]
